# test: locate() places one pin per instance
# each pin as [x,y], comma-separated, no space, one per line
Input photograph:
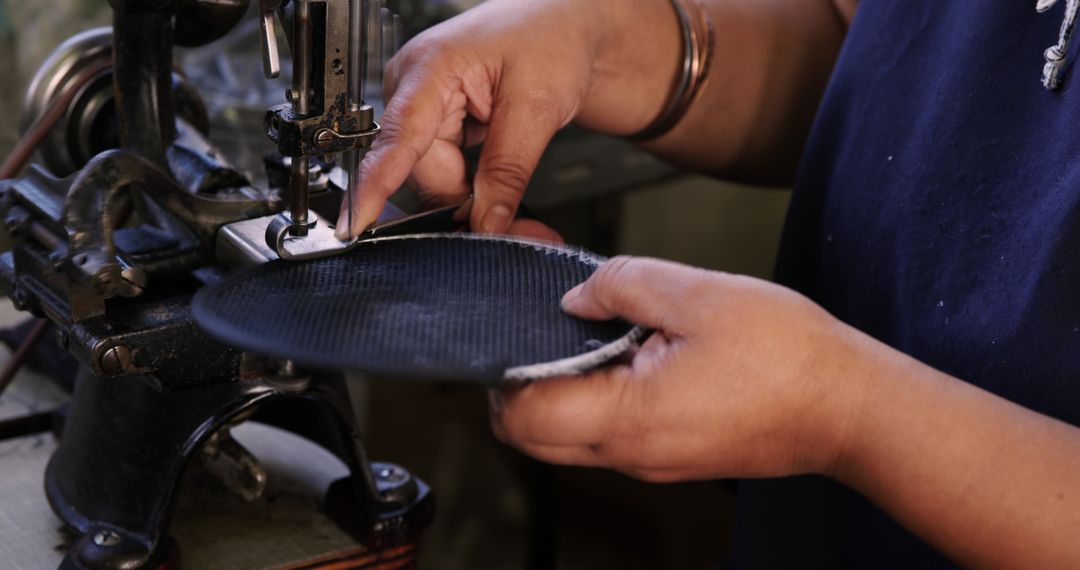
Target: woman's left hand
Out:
[741,378]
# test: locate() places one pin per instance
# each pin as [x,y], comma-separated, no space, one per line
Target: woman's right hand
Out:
[509,74]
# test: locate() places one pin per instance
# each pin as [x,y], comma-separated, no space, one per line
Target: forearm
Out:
[988,482]
[772,61]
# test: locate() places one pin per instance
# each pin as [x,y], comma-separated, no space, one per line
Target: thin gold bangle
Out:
[698,45]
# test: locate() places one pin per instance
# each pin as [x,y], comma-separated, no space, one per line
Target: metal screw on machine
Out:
[290,377]
[107,538]
[324,138]
[395,485]
[392,474]
[116,360]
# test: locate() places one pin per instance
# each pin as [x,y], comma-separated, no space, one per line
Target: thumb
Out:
[650,292]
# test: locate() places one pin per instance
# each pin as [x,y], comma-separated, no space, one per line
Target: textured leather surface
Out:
[451,307]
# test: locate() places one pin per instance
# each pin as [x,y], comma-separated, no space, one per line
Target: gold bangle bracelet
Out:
[698,45]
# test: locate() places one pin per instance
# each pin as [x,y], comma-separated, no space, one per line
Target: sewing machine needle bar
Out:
[357,65]
[298,196]
[300,96]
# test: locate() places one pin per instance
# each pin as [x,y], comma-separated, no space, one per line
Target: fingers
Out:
[521,127]
[562,412]
[577,455]
[596,456]
[568,421]
[409,127]
[649,292]
[440,177]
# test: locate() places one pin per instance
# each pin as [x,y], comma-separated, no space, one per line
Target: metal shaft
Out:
[143,75]
[357,70]
[373,29]
[357,65]
[298,196]
[301,100]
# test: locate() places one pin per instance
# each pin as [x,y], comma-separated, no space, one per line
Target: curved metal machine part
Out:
[88,220]
[116,486]
[234,465]
[317,241]
[81,54]
[90,124]
[71,262]
[165,388]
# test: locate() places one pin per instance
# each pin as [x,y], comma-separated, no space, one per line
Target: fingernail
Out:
[496,219]
[572,298]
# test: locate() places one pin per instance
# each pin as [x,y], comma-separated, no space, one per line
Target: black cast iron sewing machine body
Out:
[134,211]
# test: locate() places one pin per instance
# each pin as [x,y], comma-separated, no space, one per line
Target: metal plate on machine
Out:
[432,306]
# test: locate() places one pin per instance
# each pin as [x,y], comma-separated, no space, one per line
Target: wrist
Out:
[636,61]
[845,370]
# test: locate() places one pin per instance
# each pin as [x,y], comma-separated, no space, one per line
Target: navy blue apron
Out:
[937,210]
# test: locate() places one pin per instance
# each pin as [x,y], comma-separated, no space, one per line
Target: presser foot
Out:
[317,239]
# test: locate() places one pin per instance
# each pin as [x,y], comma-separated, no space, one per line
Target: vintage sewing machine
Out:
[132,211]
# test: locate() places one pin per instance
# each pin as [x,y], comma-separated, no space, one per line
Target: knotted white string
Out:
[1055,55]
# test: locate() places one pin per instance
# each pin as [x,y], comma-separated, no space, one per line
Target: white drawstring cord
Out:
[1055,55]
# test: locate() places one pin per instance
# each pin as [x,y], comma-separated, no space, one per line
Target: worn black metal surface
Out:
[68,264]
[116,484]
[108,477]
[158,338]
[112,255]
[142,56]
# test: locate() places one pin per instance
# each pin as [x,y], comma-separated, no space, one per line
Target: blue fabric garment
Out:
[937,210]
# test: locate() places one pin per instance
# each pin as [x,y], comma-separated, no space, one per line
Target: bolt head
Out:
[392,475]
[107,538]
[324,139]
[287,368]
[116,360]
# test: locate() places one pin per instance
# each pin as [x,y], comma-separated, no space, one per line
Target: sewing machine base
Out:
[121,515]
